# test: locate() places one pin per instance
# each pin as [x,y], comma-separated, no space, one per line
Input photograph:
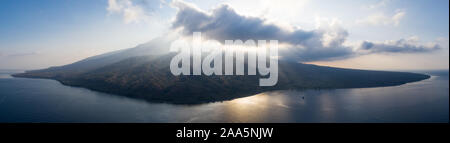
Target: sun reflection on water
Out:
[258,108]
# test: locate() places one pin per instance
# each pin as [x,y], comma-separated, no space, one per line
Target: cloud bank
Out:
[19,54]
[399,46]
[324,43]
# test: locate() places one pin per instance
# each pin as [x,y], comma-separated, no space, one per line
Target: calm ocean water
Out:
[42,100]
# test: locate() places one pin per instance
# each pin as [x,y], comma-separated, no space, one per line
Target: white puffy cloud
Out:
[132,13]
[383,19]
[379,4]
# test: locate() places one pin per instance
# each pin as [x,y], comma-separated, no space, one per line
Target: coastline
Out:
[195,102]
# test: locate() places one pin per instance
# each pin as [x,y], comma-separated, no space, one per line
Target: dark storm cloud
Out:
[225,24]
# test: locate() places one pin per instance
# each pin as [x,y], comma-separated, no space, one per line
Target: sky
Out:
[363,34]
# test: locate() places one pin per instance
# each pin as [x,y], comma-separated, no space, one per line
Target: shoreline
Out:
[236,96]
